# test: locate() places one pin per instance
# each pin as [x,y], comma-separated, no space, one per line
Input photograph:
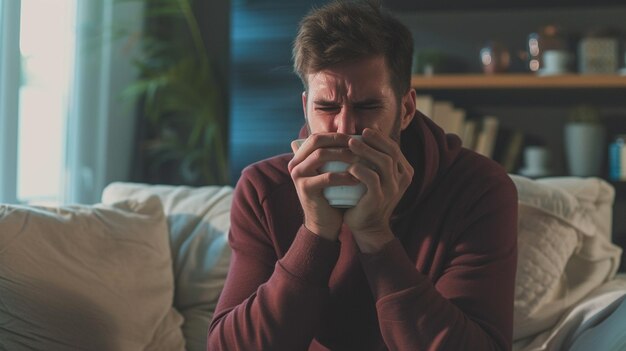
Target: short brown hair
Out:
[344,31]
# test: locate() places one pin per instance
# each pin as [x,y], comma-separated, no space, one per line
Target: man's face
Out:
[349,97]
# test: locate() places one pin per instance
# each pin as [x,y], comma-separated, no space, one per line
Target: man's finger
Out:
[317,141]
[380,142]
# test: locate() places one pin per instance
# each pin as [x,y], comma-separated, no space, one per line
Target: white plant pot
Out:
[585,148]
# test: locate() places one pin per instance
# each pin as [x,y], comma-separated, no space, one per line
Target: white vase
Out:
[585,148]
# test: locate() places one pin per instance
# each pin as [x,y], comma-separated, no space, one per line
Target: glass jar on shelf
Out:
[598,52]
[548,38]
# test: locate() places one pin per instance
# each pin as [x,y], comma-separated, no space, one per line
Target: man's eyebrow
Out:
[369,101]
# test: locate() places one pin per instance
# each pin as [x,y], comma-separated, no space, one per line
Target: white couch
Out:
[144,269]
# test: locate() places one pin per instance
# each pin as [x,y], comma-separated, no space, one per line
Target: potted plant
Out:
[585,139]
[182,123]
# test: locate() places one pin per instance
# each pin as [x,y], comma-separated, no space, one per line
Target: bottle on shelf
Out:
[617,158]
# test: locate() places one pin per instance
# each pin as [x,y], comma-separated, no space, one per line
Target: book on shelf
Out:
[486,139]
[508,148]
[482,135]
[448,117]
[456,122]
[424,104]
[441,111]
[468,138]
[513,158]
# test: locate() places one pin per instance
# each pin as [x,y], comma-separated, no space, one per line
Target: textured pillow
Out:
[563,253]
[548,233]
[198,222]
[593,194]
[545,244]
[87,278]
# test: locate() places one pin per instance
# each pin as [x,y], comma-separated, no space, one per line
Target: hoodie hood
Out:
[430,151]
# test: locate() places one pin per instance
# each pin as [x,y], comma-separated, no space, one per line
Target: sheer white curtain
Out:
[101,123]
[98,125]
[9,85]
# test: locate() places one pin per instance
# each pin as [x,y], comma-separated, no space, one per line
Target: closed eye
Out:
[369,104]
[368,107]
[327,108]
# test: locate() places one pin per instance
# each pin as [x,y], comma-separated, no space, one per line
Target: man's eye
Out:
[327,109]
[368,107]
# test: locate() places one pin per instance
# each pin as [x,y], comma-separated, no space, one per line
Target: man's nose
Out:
[346,121]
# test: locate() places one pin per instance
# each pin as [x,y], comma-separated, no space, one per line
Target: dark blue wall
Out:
[265,103]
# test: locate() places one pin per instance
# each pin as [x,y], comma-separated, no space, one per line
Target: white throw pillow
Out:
[199,220]
[563,252]
[545,244]
[549,229]
[87,278]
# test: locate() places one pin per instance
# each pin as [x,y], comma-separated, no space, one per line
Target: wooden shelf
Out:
[482,5]
[517,81]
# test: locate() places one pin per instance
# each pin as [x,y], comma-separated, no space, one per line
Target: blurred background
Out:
[192,91]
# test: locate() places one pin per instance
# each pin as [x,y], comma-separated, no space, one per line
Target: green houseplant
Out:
[184,138]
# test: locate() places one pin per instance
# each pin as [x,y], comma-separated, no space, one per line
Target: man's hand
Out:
[386,174]
[319,216]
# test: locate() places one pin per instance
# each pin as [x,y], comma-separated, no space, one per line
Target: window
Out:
[36,51]
[65,131]
[47,41]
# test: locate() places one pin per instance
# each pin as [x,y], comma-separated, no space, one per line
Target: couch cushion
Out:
[593,194]
[87,278]
[199,221]
[563,250]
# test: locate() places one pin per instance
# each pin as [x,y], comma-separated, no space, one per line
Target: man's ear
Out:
[407,108]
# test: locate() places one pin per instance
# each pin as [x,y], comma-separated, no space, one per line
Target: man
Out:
[425,260]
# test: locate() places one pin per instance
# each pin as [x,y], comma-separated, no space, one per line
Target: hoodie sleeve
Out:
[470,307]
[269,303]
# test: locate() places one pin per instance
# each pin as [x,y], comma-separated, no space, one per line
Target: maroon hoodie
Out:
[445,283]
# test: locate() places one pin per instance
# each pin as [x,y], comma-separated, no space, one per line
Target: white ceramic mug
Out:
[342,196]
[537,160]
[556,61]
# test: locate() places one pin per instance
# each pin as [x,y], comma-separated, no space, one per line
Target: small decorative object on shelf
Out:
[598,52]
[429,62]
[617,158]
[584,141]
[623,70]
[534,59]
[547,38]
[536,162]
[495,58]
[555,62]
